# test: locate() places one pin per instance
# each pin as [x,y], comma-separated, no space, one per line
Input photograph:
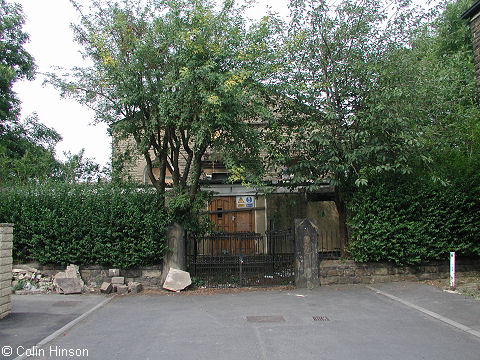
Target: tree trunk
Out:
[175,257]
[197,172]
[342,220]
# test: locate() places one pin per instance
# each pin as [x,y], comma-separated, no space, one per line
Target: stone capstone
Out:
[68,286]
[72,285]
[177,280]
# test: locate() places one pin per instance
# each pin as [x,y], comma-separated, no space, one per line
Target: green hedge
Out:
[85,224]
[409,221]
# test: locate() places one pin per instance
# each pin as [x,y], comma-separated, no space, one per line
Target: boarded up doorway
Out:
[224,214]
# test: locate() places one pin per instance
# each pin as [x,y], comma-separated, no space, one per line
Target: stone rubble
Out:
[69,281]
[106,288]
[122,289]
[69,285]
[113,272]
[26,279]
[134,287]
[119,285]
[118,280]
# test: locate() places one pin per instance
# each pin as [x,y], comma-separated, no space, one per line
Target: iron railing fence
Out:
[329,247]
[240,259]
[249,259]
[283,242]
[230,244]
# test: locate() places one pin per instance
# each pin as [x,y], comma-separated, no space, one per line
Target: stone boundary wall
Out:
[350,272]
[6,238]
[330,271]
[149,276]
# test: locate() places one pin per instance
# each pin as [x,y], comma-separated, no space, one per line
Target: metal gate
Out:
[241,259]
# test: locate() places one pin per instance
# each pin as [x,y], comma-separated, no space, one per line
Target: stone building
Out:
[473,15]
[236,208]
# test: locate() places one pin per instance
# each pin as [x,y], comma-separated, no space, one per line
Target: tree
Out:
[332,131]
[26,147]
[80,169]
[423,216]
[435,86]
[15,62]
[27,152]
[179,78]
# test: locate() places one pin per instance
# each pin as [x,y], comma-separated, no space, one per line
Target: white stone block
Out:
[177,280]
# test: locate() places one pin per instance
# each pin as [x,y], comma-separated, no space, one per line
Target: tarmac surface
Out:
[381,321]
[35,317]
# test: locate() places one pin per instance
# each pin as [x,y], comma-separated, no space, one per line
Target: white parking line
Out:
[429,313]
[67,327]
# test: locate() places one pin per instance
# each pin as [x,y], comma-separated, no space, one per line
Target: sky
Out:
[51,44]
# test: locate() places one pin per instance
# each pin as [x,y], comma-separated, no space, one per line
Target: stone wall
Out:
[133,165]
[6,237]
[349,272]
[330,271]
[95,275]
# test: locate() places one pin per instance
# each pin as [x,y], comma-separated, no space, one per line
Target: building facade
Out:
[473,16]
[235,208]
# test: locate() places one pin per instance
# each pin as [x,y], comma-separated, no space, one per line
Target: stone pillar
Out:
[306,254]
[175,254]
[6,243]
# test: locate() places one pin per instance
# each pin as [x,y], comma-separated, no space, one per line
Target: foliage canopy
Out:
[15,62]
[421,217]
[376,89]
[182,79]
[26,147]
